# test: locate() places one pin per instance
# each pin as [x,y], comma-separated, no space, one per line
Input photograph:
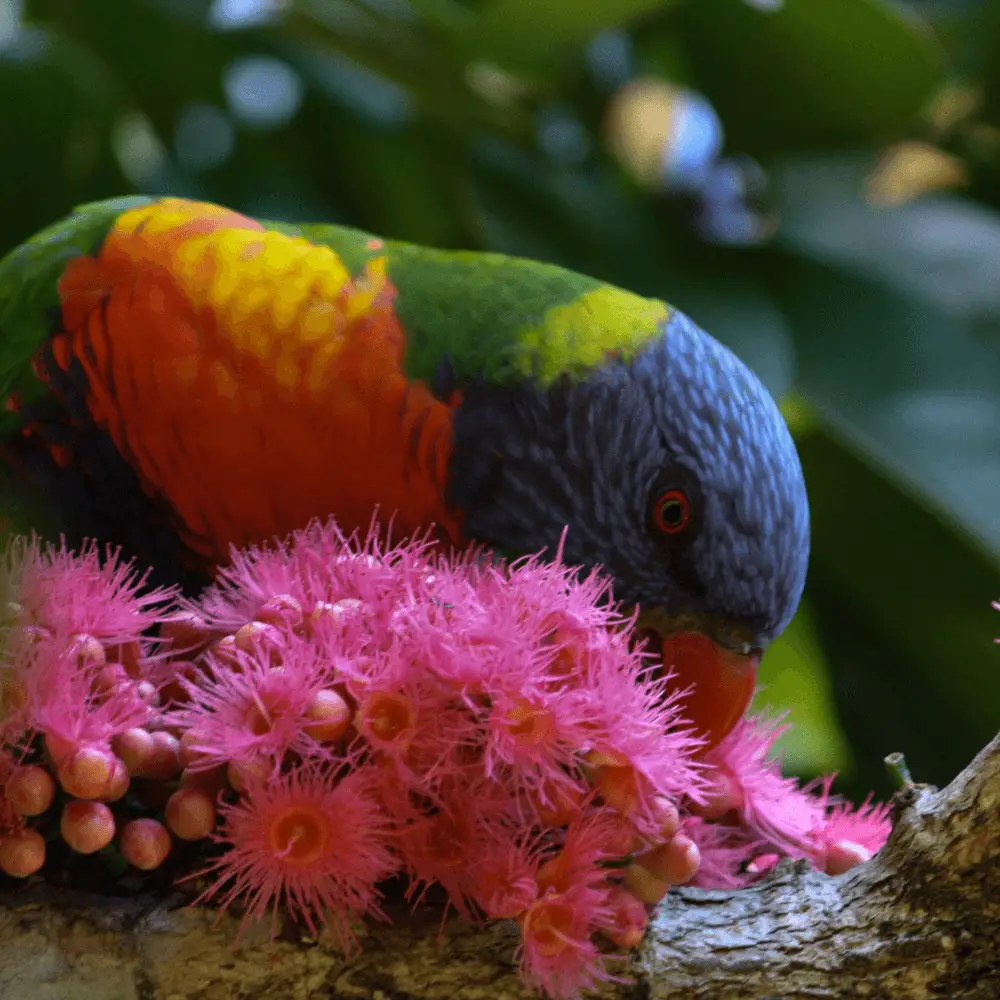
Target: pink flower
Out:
[596,836]
[773,808]
[504,883]
[318,565]
[558,953]
[845,835]
[244,708]
[79,592]
[311,843]
[450,845]
[64,698]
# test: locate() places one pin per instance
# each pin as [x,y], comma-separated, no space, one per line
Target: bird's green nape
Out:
[498,317]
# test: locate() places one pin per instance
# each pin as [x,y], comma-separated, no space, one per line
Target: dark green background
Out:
[482,124]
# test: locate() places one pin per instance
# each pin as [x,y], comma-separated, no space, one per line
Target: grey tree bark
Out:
[920,920]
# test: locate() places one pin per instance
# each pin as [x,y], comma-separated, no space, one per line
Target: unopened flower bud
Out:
[256,637]
[119,783]
[329,716]
[675,862]
[844,855]
[241,773]
[87,826]
[30,790]
[165,761]
[88,650]
[190,814]
[281,611]
[22,853]
[144,843]
[629,921]
[87,773]
[135,748]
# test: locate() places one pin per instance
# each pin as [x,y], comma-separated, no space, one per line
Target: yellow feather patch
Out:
[279,298]
[579,335]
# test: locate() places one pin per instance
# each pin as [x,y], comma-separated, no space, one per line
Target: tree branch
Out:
[921,920]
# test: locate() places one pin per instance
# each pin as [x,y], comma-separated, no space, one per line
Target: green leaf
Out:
[537,35]
[888,310]
[813,73]
[901,598]
[896,317]
[794,678]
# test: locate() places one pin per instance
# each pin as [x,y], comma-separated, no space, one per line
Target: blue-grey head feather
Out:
[593,454]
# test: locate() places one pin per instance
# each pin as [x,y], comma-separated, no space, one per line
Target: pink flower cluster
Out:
[754,816]
[484,728]
[77,676]
[331,715]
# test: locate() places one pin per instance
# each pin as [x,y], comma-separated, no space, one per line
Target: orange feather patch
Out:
[250,381]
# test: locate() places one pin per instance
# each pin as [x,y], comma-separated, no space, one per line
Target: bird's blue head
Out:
[672,468]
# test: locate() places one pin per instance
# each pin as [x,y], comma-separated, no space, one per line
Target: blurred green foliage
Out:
[853,262]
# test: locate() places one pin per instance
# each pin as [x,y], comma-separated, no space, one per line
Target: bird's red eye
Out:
[672,512]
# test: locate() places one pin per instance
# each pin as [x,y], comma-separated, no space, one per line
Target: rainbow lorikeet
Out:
[179,378]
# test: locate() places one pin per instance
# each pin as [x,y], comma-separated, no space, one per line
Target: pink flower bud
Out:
[164,762]
[119,783]
[843,855]
[190,814]
[87,773]
[629,921]
[145,843]
[281,611]
[22,853]
[135,748]
[87,826]
[30,790]
[329,716]
[258,637]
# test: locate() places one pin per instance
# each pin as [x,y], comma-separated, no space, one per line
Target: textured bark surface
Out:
[920,920]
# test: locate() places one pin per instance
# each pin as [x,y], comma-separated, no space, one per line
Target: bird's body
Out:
[179,378]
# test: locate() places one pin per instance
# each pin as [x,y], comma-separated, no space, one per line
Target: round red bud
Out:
[144,843]
[22,853]
[87,826]
[190,814]
[119,783]
[30,790]
[87,773]
[281,611]
[165,760]
[328,715]
[135,748]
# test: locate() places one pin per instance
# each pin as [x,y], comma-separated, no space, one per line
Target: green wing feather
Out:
[501,317]
[29,296]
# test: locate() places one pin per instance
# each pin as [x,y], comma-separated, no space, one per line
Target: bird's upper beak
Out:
[715,668]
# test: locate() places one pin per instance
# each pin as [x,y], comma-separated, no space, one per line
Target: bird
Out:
[179,379]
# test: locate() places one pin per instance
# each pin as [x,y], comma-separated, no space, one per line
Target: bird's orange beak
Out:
[721,682]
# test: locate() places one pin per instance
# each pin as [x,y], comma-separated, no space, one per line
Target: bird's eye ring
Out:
[672,512]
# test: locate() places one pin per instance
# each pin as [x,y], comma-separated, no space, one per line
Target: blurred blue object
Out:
[694,141]
[228,15]
[262,91]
